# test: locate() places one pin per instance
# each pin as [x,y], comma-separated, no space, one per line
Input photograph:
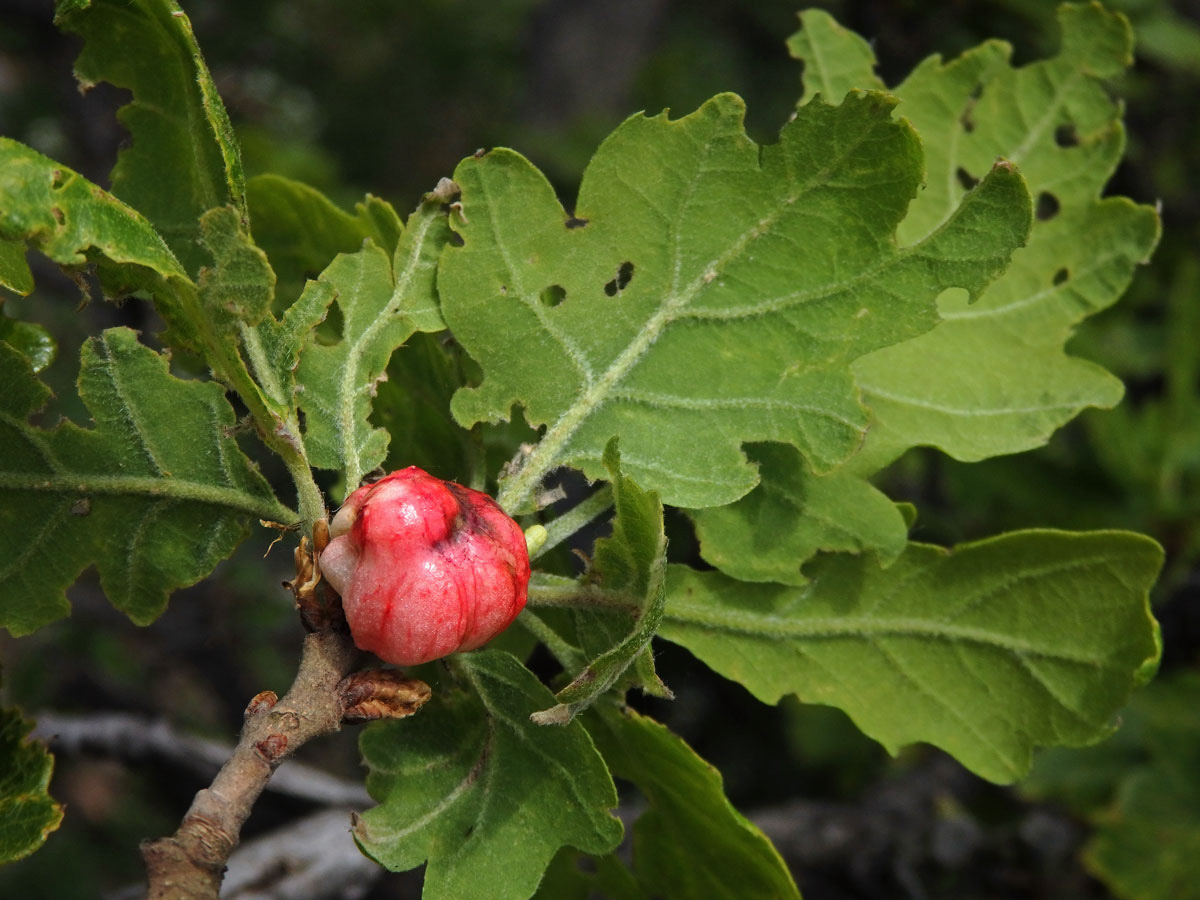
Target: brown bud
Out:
[260,703]
[272,747]
[381,694]
[320,609]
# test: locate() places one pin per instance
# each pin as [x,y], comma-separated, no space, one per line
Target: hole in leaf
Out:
[966,179]
[618,284]
[456,239]
[968,124]
[553,295]
[330,331]
[574,222]
[1047,206]
[57,213]
[1061,276]
[302,421]
[1066,136]
[56,179]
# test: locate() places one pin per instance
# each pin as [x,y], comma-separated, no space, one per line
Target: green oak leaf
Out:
[14,270]
[987,650]
[691,844]
[67,218]
[27,811]
[631,561]
[483,795]
[154,495]
[180,131]
[993,377]
[836,60]
[33,341]
[791,515]
[239,285]
[707,291]
[383,300]
[301,230]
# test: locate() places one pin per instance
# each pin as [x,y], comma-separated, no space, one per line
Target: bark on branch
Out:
[189,864]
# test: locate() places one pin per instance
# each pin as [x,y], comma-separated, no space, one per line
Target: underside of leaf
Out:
[706,291]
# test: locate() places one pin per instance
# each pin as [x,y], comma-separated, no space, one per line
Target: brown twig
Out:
[189,864]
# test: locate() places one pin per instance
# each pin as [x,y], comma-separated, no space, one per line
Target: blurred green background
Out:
[387,97]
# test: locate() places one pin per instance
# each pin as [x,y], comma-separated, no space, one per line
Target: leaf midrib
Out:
[787,628]
[348,386]
[172,488]
[517,490]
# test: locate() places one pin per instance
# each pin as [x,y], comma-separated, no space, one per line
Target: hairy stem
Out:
[189,864]
[558,530]
[280,436]
[558,591]
[568,656]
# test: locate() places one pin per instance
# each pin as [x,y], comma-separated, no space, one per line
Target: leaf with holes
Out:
[382,301]
[690,842]
[481,793]
[992,377]
[706,291]
[1031,638]
[27,811]
[183,159]
[64,216]
[155,495]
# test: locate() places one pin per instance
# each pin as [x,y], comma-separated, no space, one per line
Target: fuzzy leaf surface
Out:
[792,514]
[383,301]
[836,60]
[706,292]
[691,842]
[987,650]
[27,811]
[239,285]
[154,495]
[482,795]
[993,377]
[633,561]
[181,135]
[64,216]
